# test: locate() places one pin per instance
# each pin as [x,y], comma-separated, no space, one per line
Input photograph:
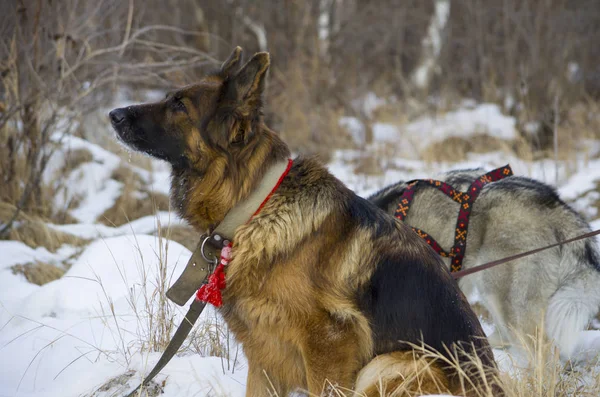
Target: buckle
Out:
[214,261]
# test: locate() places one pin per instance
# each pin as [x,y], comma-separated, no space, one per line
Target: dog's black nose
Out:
[117,115]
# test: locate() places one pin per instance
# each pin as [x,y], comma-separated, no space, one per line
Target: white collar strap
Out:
[243,211]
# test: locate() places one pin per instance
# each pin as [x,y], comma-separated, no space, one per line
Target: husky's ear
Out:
[231,65]
[249,83]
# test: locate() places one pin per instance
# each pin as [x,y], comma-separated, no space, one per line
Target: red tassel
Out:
[211,292]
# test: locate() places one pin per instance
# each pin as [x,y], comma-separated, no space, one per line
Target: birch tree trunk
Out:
[431,45]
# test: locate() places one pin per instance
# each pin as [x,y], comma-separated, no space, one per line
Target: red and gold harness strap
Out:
[466,201]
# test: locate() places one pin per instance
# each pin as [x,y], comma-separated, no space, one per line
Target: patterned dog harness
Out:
[466,201]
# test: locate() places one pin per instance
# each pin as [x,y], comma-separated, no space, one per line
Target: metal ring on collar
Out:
[212,261]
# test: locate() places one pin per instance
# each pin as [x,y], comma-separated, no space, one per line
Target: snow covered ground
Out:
[70,336]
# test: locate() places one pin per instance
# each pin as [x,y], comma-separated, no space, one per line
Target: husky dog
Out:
[510,216]
[316,290]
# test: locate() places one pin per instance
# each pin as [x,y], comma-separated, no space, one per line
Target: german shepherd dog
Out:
[321,284]
[510,216]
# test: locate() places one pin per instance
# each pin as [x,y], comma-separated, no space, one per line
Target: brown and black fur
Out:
[321,281]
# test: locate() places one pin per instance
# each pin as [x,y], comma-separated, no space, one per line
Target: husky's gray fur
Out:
[511,216]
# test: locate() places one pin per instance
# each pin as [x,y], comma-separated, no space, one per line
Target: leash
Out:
[489,265]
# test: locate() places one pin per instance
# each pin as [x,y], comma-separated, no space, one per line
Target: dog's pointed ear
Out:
[249,82]
[232,64]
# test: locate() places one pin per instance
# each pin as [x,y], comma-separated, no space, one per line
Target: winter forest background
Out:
[381,90]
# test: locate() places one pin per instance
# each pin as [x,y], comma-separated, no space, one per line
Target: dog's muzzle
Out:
[120,119]
[117,116]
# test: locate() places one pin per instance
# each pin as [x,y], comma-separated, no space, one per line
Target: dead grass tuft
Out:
[39,273]
[75,158]
[135,200]
[454,149]
[581,122]
[128,207]
[34,232]
[41,203]
[543,373]
[119,385]
[127,176]
[368,165]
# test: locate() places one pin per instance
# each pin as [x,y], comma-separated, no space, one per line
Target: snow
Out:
[95,314]
[582,182]
[383,132]
[103,197]
[145,225]
[90,180]
[21,254]
[355,128]
[369,103]
[486,118]
[588,346]
[411,139]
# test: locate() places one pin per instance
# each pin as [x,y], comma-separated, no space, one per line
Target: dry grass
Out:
[596,203]
[155,316]
[34,232]
[368,165]
[14,170]
[546,375]
[457,148]
[75,158]
[306,123]
[581,123]
[135,200]
[118,386]
[39,273]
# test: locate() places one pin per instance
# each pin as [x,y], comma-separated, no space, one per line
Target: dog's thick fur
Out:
[511,216]
[320,281]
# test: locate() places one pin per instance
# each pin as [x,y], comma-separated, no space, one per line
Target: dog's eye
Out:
[178,103]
